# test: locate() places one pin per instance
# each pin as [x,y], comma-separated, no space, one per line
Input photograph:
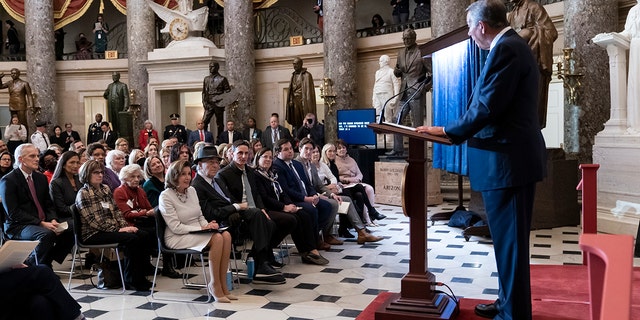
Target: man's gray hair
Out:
[491,12]
[18,153]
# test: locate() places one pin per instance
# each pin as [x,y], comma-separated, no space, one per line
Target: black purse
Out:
[108,275]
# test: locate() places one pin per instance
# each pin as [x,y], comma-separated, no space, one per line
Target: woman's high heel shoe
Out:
[231,296]
[222,299]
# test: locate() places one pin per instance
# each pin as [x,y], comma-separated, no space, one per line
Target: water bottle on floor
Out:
[250,267]
[229,280]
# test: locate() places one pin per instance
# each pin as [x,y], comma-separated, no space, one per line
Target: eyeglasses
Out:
[123,144]
[97,172]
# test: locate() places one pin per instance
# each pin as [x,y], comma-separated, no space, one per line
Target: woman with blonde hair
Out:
[181,211]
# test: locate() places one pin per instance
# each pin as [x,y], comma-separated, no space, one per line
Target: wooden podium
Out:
[417,299]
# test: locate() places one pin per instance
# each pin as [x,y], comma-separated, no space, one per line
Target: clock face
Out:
[179,29]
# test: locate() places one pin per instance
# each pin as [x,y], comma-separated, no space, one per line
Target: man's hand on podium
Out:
[434,131]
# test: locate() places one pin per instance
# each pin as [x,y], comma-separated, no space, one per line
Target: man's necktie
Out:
[246,190]
[299,179]
[32,188]
[231,137]
[276,136]
[216,187]
[201,135]
[104,136]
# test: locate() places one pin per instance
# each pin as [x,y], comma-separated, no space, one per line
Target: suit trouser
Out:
[51,247]
[509,215]
[321,215]
[261,230]
[35,293]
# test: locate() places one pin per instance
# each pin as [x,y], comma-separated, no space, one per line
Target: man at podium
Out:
[506,150]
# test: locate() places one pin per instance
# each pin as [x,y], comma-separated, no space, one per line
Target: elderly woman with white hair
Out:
[136,209]
[146,133]
[115,160]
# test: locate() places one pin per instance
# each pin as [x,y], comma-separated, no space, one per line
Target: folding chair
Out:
[161,225]
[77,235]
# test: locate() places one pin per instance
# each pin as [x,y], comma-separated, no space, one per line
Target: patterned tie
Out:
[304,188]
[276,136]
[246,190]
[32,188]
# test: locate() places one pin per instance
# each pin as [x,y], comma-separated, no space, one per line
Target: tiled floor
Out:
[342,289]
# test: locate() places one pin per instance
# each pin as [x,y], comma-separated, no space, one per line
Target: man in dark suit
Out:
[506,150]
[250,131]
[199,135]
[30,213]
[70,135]
[230,135]
[274,132]
[410,67]
[311,129]
[239,183]
[295,183]
[108,136]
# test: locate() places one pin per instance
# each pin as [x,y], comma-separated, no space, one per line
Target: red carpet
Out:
[557,293]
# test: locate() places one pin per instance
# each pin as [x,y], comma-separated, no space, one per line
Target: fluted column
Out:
[583,19]
[140,31]
[41,59]
[240,58]
[339,59]
[447,15]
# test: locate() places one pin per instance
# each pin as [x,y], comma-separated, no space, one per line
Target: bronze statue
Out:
[533,24]
[213,87]
[20,97]
[117,95]
[302,95]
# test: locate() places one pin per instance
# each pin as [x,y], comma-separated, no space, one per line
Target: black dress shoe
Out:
[344,233]
[488,310]
[375,215]
[169,271]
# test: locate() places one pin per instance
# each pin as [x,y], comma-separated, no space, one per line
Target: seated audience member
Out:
[274,132]
[3,146]
[227,154]
[146,134]
[123,145]
[255,145]
[96,151]
[151,150]
[180,210]
[64,186]
[355,192]
[115,160]
[354,219]
[165,155]
[76,146]
[350,175]
[311,129]
[35,293]
[82,152]
[230,135]
[239,180]
[30,214]
[154,171]
[180,151]
[136,157]
[136,209]
[47,163]
[293,180]
[57,149]
[103,222]
[155,142]
[217,206]
[250,131]
[275,199]
[6,163]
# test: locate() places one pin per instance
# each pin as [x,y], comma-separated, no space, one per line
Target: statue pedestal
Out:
[617,146]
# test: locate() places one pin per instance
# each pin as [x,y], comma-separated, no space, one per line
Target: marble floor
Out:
[342,289]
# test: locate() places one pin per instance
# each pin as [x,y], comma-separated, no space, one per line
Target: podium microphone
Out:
[421,81]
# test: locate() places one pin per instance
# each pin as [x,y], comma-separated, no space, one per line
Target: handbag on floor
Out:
[108,275]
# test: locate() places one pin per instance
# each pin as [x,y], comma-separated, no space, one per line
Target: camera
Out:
[309,121]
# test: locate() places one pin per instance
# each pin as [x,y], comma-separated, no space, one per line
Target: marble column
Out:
[41,60]
[583,19]
[340,60]
[240,58]
[447,15]
[140,31]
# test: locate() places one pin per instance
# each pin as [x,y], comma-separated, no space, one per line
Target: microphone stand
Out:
[384,106]
[406,103]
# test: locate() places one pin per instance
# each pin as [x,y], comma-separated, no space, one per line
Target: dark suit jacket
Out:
[267,136]
[194,136]
[18,203]
[257,134]
[505,147]
[213,205]
[268,194]
[111,139]
[224,137]
[230,179]
[63,196]
[290,182]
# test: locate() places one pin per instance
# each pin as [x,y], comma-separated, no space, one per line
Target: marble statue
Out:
[386,85]
[632,32]
[181,23]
